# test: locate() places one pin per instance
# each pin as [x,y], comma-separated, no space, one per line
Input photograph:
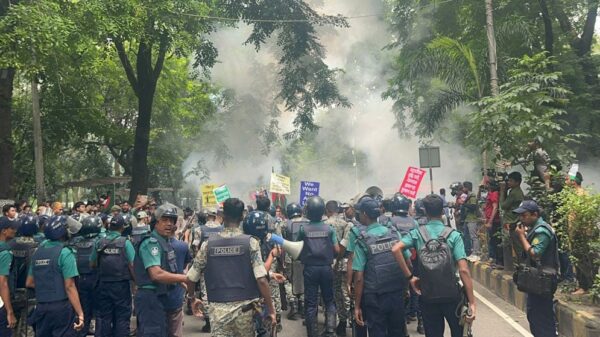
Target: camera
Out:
[495,178]
[456,188]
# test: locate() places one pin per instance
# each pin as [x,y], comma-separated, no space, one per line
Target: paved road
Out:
[487,323]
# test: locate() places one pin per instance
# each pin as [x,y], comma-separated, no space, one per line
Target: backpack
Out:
[437,270]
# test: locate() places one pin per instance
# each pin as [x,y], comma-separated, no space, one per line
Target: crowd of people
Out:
[139,270]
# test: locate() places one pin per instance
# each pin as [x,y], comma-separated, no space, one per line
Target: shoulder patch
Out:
[536,241]
[154,251]
[153,240]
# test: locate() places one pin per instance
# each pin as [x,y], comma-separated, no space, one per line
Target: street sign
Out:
[412,182]
[429,156]
[308,189]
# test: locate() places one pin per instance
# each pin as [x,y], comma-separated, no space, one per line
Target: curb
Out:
[571,321]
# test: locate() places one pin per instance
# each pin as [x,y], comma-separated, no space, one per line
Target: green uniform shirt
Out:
[66,260]
[509,203]
[6,259]
[351,237]
[150,252]
[360,254]
[331,232]
[111,235]
[434,229]
[39,236]
[541,239]
[471,215]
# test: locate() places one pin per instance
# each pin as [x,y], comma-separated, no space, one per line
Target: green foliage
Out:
[530,106]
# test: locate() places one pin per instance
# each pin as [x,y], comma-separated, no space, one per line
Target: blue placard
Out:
[308,189]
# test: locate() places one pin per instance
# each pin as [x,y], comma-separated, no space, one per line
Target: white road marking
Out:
[502,314]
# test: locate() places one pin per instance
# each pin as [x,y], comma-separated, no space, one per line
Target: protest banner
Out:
[221,193]
[208,197]
[412,181]
[307,190]
[280,184]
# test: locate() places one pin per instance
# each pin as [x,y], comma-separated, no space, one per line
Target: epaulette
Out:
[152,240]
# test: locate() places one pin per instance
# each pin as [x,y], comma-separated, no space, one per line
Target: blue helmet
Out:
[117,221]
[256,224]
[43,220]
[315,208]
[29,225]
[293,210]
[401,203]
[90,225]
[56,228]
[420,208]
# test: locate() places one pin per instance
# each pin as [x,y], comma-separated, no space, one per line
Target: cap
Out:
[141,214]
[345,205]
[8,223]
[115,208]
[370,206]
[527,206]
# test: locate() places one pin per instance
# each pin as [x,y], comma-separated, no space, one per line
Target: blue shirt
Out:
[182,255]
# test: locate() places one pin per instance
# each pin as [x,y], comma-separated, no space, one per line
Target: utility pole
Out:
[38,152]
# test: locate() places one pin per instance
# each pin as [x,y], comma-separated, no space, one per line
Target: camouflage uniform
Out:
[23,303]
[229,319]
[342,298]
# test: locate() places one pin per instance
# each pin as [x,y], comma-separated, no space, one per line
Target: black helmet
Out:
[56,228]
[90,225]
[401,203]
[29,226]
[388,205]
[315,208]
[272,210]
[256,224]
[420,208]
[117,221]
[293,210]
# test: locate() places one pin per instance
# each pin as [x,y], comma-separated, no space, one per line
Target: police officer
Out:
[379,283]
[320,247]
[22,248]
[342,299]
[155,269]
[235,276]
[83,244]
[113,258]
[294,268]
[448,296]
[52,274]
[8,230]
[540,245]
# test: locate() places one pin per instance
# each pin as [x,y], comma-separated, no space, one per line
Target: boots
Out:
[188,308]
[293,315]
[279,326]
[341,329]
[206,327]
[312,329]
[301,308]
[420,328]
[330,328]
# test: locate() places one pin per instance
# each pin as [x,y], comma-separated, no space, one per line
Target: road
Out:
[493,319]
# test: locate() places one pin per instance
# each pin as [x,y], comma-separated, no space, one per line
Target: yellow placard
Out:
[280,184]
[208,197]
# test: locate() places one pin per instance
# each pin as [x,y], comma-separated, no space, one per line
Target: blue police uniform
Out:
[83,247]
[317,258]
[51,264]
[151,297]
[113,255]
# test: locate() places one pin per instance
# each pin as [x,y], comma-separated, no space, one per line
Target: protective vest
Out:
[207,232]
[293,228]
[229,275]
[168,263]
[12,276]
[318,248]
[49,281]
[138,233]
[112,260]
[548,260]
[22,252]
[382,272]
[403,224]
[83,248]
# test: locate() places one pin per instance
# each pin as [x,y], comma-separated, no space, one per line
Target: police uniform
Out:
[384,283]
[342,298]
[435,313]
[540,309]
[154,250]
[22,249]
[231,263]
[349,241]
[113,255]
[294,285]
[6,269]
[201,235]
[317,257]
[53,263]
[86,283]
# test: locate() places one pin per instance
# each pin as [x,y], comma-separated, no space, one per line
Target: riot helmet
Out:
[315,208]
[256,224]
[401,204]
[29,226]
[56,228]
[293,210]
[90,225]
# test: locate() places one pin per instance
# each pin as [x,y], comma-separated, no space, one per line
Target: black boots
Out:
[330,328]
[279,326]
[293,315]
[420,328]
[341,329]
[206,327]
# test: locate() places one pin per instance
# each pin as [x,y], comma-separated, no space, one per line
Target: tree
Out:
[144,36]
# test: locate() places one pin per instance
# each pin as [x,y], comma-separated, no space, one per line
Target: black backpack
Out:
[437,269]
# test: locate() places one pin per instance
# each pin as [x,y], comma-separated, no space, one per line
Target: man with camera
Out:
[538,277]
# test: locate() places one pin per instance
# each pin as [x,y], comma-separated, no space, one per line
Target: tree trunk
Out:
[492,60]
[38,146]
[7,189]
[548,30]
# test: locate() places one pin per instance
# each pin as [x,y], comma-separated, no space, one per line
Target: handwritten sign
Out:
[208,197]
[412,181]
[280,184]
[222,193]
[308,189]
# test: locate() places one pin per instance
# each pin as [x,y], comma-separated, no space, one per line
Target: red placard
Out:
[412,181]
